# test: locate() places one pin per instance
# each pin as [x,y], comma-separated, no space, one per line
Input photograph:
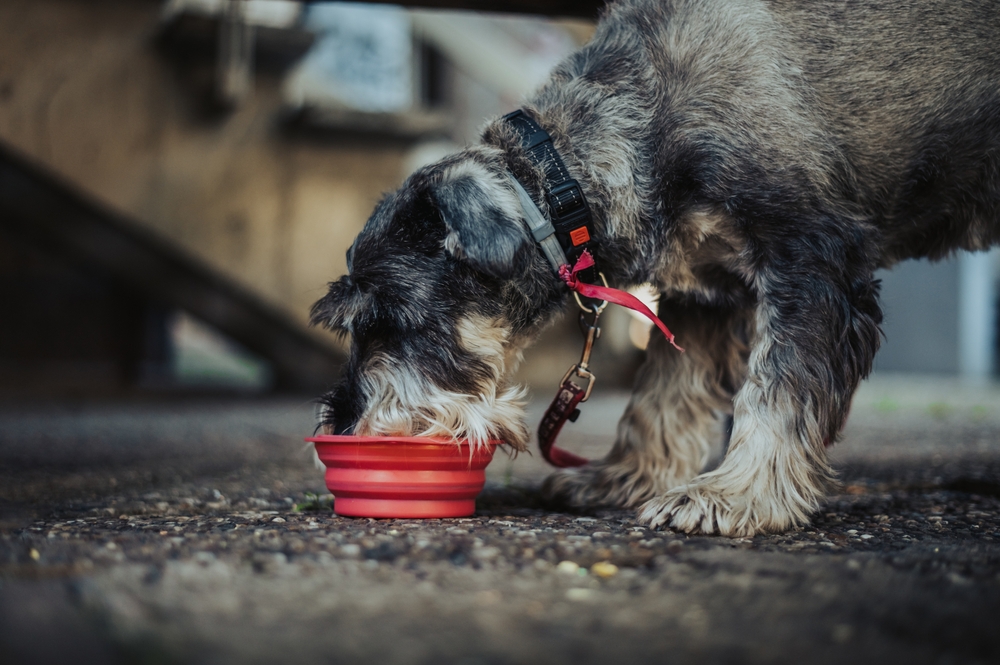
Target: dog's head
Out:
[445,287]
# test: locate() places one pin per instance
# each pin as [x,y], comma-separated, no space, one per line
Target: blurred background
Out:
[179,180]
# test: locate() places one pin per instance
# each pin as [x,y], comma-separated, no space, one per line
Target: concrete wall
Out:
[920,305]
[84,92]
[941,317]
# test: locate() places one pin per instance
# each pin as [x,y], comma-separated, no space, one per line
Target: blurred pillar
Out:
[977,317]
[235,58]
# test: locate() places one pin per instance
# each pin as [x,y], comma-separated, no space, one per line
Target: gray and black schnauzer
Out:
[756,161]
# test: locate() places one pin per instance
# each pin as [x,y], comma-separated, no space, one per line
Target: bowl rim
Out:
[436,440]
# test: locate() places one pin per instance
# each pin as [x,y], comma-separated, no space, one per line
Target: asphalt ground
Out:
[199,532]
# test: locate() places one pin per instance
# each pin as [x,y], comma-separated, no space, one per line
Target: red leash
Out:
[570,395]
[610,295]
[563,408]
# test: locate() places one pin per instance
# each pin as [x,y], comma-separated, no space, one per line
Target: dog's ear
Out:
[339,307]
[484,220]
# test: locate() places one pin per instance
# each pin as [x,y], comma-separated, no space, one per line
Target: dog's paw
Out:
[704,508]
[596,485]
[684,509]
[575,487]
[611,484]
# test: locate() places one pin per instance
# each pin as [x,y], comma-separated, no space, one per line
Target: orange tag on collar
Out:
[579,236]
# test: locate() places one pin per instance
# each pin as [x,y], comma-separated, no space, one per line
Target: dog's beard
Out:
[403,402]
[406,404]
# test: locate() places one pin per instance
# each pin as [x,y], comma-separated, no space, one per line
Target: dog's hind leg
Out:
[816,333]
[675,417]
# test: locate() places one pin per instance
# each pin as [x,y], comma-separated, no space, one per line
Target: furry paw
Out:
[575,487]
[703,507]
[597,485]
[680,510]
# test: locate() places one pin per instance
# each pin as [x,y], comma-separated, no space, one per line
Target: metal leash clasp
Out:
[591,333]
[587,307]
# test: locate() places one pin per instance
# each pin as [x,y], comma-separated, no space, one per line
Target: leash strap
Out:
[563,408]
[567,240]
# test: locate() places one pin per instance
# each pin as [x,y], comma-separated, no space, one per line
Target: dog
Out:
[756,161]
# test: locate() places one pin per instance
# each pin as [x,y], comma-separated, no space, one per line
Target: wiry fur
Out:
[673,422]
[402,403]
[757,161]
[437,318]
[759,486]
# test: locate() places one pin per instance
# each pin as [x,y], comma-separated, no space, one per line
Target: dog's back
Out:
[911,91]
[890,109]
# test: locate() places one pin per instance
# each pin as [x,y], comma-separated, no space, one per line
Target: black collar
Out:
[567,206]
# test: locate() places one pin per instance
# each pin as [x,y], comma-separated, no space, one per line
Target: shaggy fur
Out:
[756,161]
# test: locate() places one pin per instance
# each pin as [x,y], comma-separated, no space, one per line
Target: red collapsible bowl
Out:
[396,476]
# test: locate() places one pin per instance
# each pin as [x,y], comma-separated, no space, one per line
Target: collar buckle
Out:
[567,202]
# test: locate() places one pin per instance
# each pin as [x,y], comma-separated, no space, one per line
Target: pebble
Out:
[604,569]
[485,553]
[579,595]
[568,567]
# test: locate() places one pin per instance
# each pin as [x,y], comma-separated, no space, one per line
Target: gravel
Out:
[201,533]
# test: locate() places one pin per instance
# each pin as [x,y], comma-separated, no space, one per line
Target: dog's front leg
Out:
[816,333]
[673,419]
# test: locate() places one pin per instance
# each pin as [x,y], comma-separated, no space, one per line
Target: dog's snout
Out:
[337,415]
[344,425]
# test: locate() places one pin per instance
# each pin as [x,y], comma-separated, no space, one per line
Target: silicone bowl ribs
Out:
[406,477]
